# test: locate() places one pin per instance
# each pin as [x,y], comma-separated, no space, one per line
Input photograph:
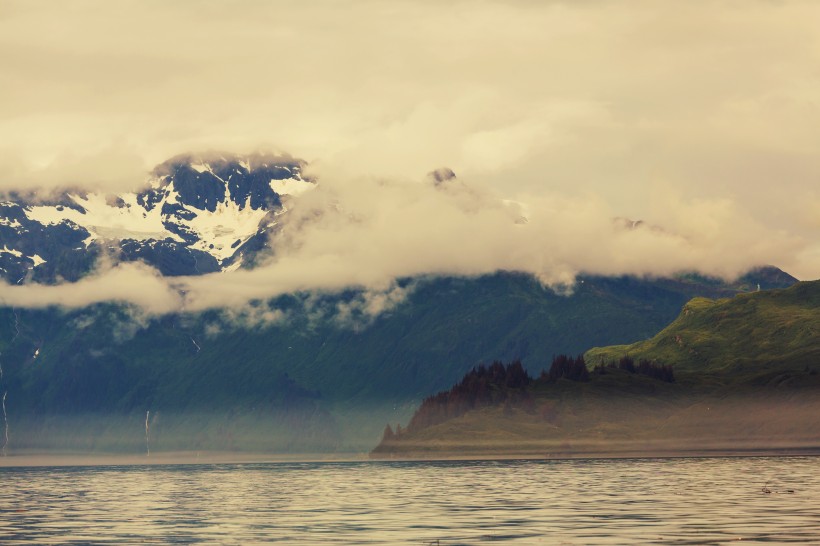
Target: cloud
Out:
[248,315]
[367,233]
[362,309]
[698,118]
[109,169]
[399,86]
[131,283]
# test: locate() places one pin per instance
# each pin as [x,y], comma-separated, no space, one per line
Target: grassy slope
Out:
[746,335]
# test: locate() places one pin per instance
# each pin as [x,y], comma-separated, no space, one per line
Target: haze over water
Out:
[671,501]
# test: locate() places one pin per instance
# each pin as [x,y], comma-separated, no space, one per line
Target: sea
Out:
[772,500]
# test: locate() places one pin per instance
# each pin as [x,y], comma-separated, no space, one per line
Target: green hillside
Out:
[746,335]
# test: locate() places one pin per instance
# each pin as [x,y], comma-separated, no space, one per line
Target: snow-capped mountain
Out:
[198,214]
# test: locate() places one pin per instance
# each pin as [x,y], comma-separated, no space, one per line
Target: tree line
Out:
[566,367]
[661,372]
[482,386]
[498,384]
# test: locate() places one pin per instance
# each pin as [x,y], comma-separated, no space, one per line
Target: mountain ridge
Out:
[105,364]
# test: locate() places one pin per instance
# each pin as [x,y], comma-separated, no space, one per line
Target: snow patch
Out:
[103,221]
[7,250]
[218,231]
[11,223]
[36,259]
[172,197]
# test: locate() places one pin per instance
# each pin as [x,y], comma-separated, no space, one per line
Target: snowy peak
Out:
[216,204]
[198,214]
[204,182]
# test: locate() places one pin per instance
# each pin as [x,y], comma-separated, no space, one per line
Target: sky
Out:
[700,118]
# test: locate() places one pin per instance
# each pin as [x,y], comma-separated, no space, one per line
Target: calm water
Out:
[673,501]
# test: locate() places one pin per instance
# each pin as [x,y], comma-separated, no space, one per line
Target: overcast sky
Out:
[702,118]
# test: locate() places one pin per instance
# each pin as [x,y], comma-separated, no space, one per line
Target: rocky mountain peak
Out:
[200,213]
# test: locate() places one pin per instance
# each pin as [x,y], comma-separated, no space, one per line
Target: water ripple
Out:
[671,501]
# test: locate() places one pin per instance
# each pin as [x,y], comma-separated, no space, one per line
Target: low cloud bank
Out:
[132,283]
[366,233]
[546,99]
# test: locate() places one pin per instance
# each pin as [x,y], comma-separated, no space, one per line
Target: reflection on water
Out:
[674,501]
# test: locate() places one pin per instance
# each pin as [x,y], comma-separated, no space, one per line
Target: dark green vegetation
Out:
[483,386]
[308,381]
[745,378]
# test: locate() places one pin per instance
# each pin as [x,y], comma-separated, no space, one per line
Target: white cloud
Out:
[367,233]
[698,117]
[134,284]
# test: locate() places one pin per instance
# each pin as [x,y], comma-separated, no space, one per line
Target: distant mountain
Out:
[746,378]
[198,214]
[211,373]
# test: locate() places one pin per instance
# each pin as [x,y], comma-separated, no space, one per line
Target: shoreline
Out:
[703,453]
[44,459]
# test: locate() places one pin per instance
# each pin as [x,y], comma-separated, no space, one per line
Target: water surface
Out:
[669,501]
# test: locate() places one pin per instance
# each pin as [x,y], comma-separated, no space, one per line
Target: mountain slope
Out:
[354,375]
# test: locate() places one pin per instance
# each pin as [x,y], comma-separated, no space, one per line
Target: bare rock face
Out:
[441,176]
